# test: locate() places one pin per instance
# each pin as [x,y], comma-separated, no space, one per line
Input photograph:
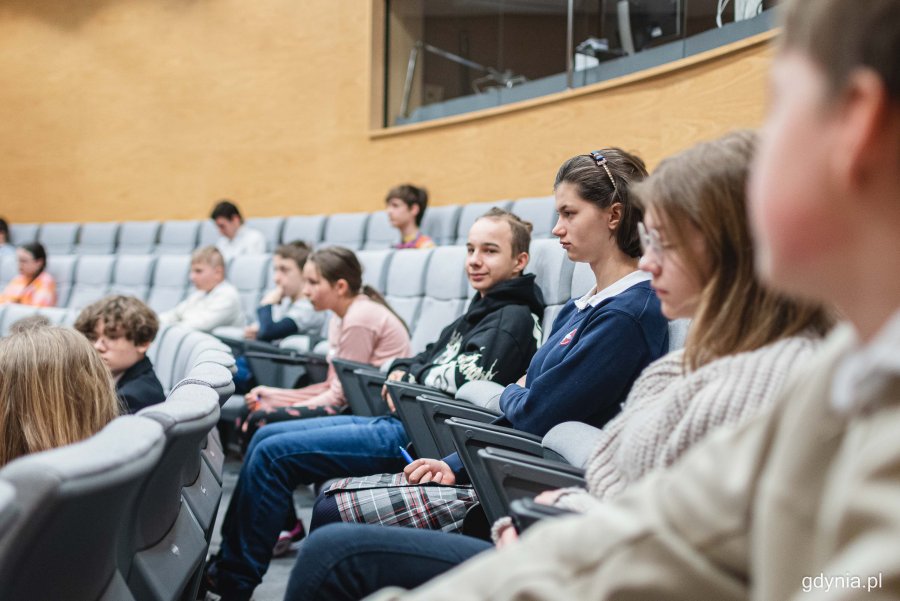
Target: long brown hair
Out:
[705,187]
[54,390]
[338,263]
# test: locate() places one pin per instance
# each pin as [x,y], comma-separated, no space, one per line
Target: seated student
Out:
[121,328]
[801,501]
[405,205]
[600,343]
[236,239]
[34,285]
[743,343]
[5,247]
[364,329]
[54,390]
[285,311]
[215,303]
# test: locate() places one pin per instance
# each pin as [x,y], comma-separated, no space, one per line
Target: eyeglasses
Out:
[602,162]
[651,242]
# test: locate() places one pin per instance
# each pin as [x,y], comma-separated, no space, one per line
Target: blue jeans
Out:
[342,562]
[280,457]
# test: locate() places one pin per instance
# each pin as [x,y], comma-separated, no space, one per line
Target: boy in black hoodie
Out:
[494,340]
[496,337]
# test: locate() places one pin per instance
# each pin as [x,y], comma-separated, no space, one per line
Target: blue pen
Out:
[406,455]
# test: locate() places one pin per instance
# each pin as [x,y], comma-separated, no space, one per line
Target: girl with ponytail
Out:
[363,328]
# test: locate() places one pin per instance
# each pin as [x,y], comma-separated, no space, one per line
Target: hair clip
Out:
[601,161]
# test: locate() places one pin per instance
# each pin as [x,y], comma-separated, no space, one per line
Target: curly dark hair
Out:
[122,316]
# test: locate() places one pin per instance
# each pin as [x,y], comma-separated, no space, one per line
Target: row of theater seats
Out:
[128,513]
[445,224]
[427,288]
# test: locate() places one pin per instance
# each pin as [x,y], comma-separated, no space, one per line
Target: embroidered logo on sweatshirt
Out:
[568,338]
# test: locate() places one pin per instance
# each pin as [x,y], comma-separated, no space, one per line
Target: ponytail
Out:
[376,296]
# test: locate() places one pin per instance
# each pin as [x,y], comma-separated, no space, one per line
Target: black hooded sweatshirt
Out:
[493,340]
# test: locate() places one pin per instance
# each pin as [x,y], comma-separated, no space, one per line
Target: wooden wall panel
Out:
[140,109]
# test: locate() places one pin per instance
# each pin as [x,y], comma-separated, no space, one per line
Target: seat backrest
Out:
[583,280]
[209,233]
[137,237]
[540,211]
[308,228]
[62,268]
[270,227]
[177,237]
[164,351]
[12,314]
[446,292]
[185,350]
[9,268]
[552,270]
[56,315]
[58,238]
[22,233]
[97,238]
[375,264]
[170,281]
[440,223]
[133,275]
[8,510]
[93,276]
[248,273]
[405,285]
[379,231]
[678,333]
[346,229]
[80,496]
[470,213]
[186,418]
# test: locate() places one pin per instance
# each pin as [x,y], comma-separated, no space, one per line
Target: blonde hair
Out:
[54,390]
[705,187]
[209,255]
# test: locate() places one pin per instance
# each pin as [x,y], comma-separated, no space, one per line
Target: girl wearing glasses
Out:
[743,341]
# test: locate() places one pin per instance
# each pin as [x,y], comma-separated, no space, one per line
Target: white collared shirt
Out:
[593,298]
[860,375]
[246,241]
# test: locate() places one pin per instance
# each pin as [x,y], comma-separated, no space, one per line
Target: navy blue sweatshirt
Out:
[585,369]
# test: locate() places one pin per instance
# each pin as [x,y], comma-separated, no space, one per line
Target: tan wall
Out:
[139,109]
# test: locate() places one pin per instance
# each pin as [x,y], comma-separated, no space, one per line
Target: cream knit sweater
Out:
[668,411]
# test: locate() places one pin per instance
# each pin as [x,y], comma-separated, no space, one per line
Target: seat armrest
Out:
[526,512]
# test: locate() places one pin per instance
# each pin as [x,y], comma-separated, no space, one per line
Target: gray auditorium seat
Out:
[171,280]
[177,237]
[446,293]
[74,503]
[540,211]
[440,223]
[308,228]
[270,227]
[553,273]
[166,546]
[58,238]
[181,366]
[132,275]
[56,315]
[14,313]
[375,264]
[97,238]
[9,268]
[93,275]
[62,268]
[583,280]
[405,285]
[8,510]
[470,213]
[21,233]
[379,232]
[248,274]
[209,233]
[163,350]
[137,237]
[345,229]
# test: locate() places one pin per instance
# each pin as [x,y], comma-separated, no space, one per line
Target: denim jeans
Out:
[280,457]
[344,562]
